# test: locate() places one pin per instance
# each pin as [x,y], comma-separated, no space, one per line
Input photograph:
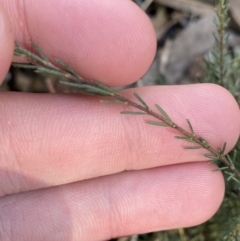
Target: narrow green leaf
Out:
[181,137]
[104,87]
[224,147]
[114,102]
[209,156]
[190,126]
[40,52]
[25,66]
[235,179]
[95,90]
[66,67]
[184,138]
[155,123]
[88,89]
[77,85]
[30,55]
[44,70]
[231,176]
[214,159]
[192,147]
[230,159]
[17,45]
[163,112]
[220,169]
[128,112]
[141,100]
[17,53]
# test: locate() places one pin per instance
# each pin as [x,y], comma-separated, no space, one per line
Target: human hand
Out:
[76,169]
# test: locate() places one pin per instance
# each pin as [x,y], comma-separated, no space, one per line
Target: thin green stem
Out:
[197,139]
[221,32]
[43,65]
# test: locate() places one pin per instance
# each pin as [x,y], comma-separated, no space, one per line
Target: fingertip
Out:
[110,41]
[115,43]
[211,109]
[6,43]
[229,123]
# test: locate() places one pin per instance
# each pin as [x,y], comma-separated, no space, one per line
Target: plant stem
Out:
[42,65]
[221,32]
[197,139]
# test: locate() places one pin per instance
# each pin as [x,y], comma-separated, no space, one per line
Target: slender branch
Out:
[197,139]
[41,64]
[221,44]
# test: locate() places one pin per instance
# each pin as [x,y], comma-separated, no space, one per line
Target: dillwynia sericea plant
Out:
[41,64]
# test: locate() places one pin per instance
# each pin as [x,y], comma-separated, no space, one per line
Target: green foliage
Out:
[41,64]
[223,67]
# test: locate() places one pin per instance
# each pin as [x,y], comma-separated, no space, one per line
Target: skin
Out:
[75,169]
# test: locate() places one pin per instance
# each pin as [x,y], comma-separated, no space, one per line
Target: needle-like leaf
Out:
[141,100]
[184,138]
[129,112]
[44,70]
[156,123]
[114,102]
[40,52]
[163,112]
[192,147]
[66,67]
[25,66]
[88,89]
[190,126]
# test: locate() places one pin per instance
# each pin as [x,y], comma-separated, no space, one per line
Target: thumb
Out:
[6,43]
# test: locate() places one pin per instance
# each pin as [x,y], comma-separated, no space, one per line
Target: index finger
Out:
[111,41]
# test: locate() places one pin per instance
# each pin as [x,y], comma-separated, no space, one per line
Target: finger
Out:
[118,205]
[112,41]
[65,138]
[6,43]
